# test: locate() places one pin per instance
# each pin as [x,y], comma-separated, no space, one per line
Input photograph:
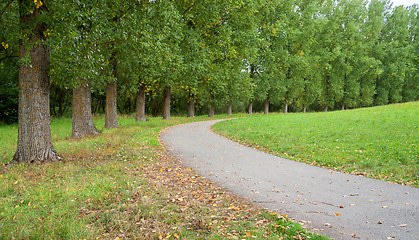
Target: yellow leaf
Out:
[338,214]
[176,235]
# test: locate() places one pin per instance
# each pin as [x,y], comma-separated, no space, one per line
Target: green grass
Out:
[120,184]
[379,142]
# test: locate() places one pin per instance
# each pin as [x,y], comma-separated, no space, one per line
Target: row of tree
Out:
[142,54]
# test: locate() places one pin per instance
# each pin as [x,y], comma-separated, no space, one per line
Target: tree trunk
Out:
[325,109]
[140,108]
[211,112]
[286,108]
[34,132]
[166,108]
[343,106]
[82,112]
[229,109]
[305,110]
[250,111]
[191,109]
[267,106]
[111,112]
[191,104]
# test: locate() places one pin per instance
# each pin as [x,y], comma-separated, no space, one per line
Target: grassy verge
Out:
[379,142]
[121,185]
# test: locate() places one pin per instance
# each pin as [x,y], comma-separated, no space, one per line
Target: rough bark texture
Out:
[191,109]
[111,112]
[191,104]
[230,109]
[82,112]
[34,133]
[166,107]
[266,106]
[250,111]
[140,109]
[304,110]
[211,111]
[286,108]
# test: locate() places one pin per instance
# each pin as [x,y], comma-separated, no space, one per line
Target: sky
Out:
[404,2]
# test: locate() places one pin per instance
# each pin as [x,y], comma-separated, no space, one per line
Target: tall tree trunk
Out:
[250,111]
[305,110]
[111,112]
[140,108]
[82,111]
[166,108]
[343,106]
[211,112]
[286,108]
[325,109]
[191,104]
[267,105]
[229,109]
[191,109]
[34,132]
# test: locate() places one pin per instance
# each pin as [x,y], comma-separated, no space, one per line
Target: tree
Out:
[9,70]
[77,58]
[396,36]
[34,133]
[82,111]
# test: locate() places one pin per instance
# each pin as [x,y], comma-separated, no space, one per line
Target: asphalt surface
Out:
[339,205]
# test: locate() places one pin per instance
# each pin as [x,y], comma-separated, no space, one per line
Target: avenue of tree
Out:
[184,56]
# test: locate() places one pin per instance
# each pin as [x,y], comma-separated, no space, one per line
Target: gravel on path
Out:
[339,205]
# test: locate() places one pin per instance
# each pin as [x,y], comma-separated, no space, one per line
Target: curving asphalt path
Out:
[340,205]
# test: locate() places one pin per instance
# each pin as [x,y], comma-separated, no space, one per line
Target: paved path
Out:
[345,206]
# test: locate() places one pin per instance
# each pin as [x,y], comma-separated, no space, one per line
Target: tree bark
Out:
[325,109]
[191,104]
[266,106]
[140,108]
[250,111]
[286,108]
[34,132]
[82,111]
[305,110]
[111,112]
[211,112]
[229,109]
[166,107]
[343,106]
[191,109]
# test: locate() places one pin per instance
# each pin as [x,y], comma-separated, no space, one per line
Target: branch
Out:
[189,8]
[5,7]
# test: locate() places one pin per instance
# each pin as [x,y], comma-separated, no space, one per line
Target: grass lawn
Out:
[121,185]
[379,142]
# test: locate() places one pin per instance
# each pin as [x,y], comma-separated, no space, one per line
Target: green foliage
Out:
[307,54]
[378,142]
[9,98]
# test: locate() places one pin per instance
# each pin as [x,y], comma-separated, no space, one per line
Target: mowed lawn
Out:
[122,185]
[378,142]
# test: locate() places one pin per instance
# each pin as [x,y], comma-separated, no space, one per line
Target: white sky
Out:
[404,2]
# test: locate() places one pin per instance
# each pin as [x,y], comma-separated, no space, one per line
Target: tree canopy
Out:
[298,54]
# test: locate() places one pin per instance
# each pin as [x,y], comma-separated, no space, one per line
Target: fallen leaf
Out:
[384,207]
[338,214]
[403,225]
